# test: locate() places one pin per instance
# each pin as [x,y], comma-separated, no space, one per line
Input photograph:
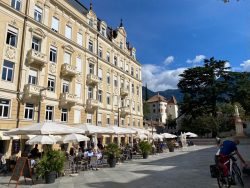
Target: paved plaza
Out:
[181,169]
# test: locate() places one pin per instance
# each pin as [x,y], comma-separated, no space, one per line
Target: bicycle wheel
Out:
[223,182]
[237,173]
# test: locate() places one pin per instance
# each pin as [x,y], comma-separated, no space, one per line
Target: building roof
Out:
[172,100]
[157,98]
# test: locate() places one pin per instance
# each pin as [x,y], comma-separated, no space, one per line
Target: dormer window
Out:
[133,54]
[121,45]
[103,31]
[91,22]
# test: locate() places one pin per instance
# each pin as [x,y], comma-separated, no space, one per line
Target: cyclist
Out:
[227,148]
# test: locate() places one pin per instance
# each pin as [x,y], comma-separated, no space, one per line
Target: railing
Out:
[92,79]
[68,70]
[36,57]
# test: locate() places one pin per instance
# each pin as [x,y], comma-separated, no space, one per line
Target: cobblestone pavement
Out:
[187,168]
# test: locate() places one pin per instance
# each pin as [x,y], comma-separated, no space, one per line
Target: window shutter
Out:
[100,73]
[68,32]
[79,64]
[66,58]
[78,89]
[33,73]
[79,39]
[77,116]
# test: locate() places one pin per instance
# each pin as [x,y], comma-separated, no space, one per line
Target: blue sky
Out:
[172,35]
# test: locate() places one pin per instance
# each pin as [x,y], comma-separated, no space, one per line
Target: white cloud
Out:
[169,60]
[197,59]
[159,78]
[227,65]
[246,65]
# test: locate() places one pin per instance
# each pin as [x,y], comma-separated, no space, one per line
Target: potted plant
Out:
[171,145]
[113,152]
[51,163]
[145,147]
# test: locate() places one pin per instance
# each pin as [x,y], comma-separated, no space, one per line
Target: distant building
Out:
[162,109]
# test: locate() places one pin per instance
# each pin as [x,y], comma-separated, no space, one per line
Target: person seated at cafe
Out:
[90,152]
[72,152]
[35,152]
[3,167]
[99,154]
[80,153]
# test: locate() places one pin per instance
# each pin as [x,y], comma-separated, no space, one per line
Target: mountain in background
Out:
[167,94]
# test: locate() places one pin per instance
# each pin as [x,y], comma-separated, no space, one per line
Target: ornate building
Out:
[60,54]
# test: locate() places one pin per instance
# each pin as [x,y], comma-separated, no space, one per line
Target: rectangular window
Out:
[68,32]
[67,58]
[116,120]
[132,71]
[33,77]
[91,68]
[115,100]
[49,113]
[4,108]
[90,93]
[11,38]
[108,57]
[89,118]
[53,54]
[77,116]
[99,119]
[108,78]
[65,87]
[137,90]
[100,52]
[16,4]
[100,74]
[78,89]
[91,22]
[91,46]
[115,61]
[64,115]
[137,75]
[38,14]
[133,106]
[139,123]
[78,64]
[36,44]
[126,68]
[8,71]
[29,111]
[108,99]
[123,122]
[128,121]
[79,39]
[55,24]
[108,119]
[51,83]
[133,122]
[100,96]
[115,81]
[133,88]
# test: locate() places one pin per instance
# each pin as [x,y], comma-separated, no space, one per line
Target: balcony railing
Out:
[91,104]
[124,111]
[37,58]
[124,92]
[68,70]
[68,99]
[92,79]
[33,90]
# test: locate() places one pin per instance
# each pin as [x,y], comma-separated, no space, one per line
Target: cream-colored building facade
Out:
[60,53]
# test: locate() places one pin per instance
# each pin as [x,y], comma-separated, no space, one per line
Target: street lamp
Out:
[39,103]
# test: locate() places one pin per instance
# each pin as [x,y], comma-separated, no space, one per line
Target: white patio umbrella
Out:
[167,135]
[75,138]
[45,128]
[141,136]
[121,130]
[42,139]
[191,135]
[157,137]
[93,129]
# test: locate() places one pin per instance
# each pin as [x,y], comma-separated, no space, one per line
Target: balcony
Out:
[124,92]
[91,104]
[36,58]
[32,93]
[68,70]
[124,111]
[92,79]
[68,99]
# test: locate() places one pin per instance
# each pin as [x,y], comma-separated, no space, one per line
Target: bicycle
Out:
[234,173]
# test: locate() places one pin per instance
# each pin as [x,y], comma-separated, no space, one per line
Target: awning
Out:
[13,137]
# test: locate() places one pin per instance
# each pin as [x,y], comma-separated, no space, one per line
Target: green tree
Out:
[202,87]
[146,109]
